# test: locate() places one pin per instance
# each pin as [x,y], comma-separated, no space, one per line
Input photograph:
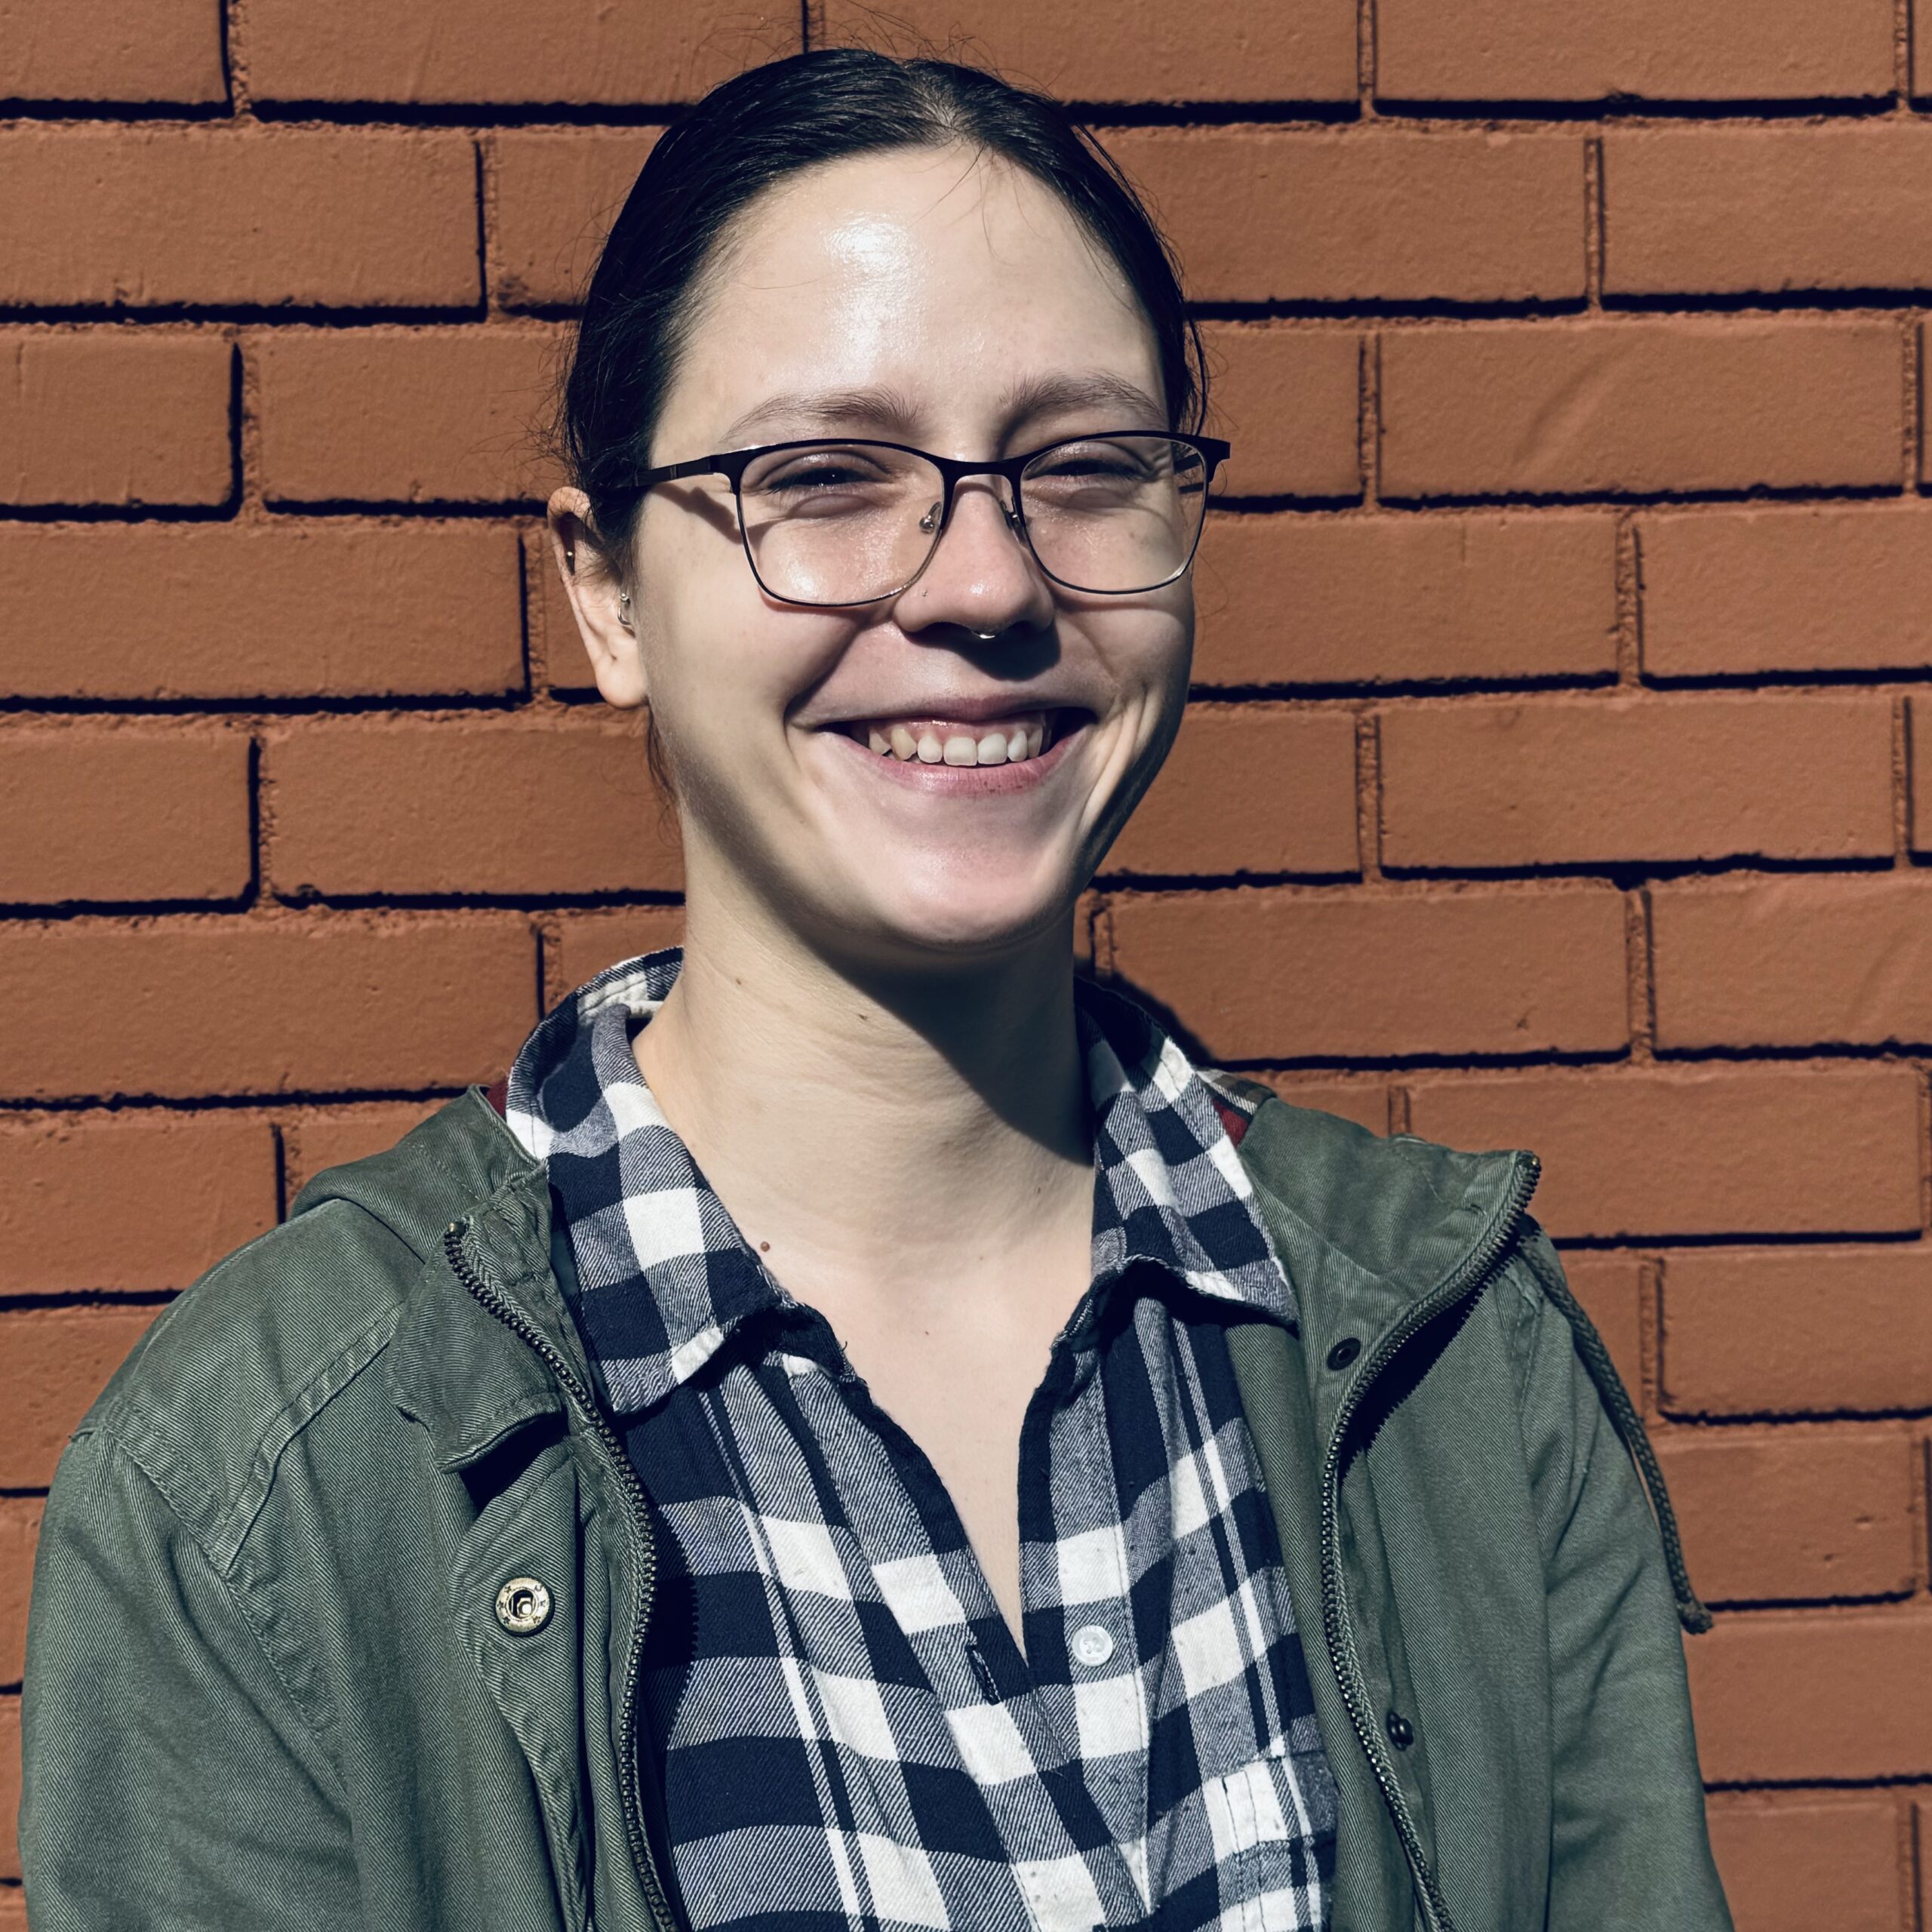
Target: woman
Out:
[860,1432]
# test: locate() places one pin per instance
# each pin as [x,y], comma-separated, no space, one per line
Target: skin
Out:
[871,1051]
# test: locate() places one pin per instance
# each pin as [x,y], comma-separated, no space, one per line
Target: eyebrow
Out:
[891,410]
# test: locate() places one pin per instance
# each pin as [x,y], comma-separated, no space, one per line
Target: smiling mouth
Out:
[1016,739]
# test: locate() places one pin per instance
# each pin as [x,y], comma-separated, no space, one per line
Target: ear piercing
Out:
[624,610]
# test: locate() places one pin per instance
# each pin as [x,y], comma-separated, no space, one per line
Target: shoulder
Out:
[237,1363]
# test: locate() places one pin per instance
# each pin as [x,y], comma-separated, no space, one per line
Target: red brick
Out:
[1288,975]
[129,814]
[1781,1859]
[1814,1695]
[53,1362]
[586,943]
[1289,400]
[228,610]
[13,1909]
[438,52]
[1596,780]
[1290,775]
[1792,961]
[114,417]
[552,195]
[435,415]
[129,1202]
[1790,1515]
[1365,1102]
[1653,50]
[1220,50]
[19,1532]
[558,802]
[1353,600]
[133,217]
[1263,215]
[10,1788]
[187,1007]
[1731,593]
[1641,405]
[1797,1331]
[1737,210]
[1610,1287]
[1736,1150]
[111,50]
[312,1142]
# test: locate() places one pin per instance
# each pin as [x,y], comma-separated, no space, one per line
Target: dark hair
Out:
[747,135]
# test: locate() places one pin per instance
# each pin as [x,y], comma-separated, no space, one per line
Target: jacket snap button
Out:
[523,1604]
[1344,1352]
[1402,1732]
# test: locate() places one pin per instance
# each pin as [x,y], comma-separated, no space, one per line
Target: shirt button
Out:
[1402,1732]
[523,1604]
[1092,1645]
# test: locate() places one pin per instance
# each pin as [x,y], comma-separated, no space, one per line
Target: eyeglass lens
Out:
[849,523]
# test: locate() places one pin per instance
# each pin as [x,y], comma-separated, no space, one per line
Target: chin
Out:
[964,924]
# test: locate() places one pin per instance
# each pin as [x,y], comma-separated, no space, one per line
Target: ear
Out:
[591,583]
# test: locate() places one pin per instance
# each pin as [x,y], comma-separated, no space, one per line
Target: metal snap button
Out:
[1092,1645]
[523,1604]
[1402,1732]
[1344,1352]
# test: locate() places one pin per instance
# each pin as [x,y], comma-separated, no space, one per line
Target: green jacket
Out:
[268,1686]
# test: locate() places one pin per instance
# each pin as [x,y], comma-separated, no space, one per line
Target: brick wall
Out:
[1568,633]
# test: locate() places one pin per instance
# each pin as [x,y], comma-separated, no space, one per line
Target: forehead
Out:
[944,274]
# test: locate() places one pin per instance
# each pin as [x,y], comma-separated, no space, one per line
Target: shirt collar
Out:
[664,1275]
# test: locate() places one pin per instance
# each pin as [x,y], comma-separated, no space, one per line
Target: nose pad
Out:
[929,522]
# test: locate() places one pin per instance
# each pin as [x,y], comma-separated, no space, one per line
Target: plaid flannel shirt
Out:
[851,1739]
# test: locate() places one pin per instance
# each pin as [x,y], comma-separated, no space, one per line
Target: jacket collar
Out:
[1364,1226]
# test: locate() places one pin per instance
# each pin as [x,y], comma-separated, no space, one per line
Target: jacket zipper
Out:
[1466,1281]
[643,1544]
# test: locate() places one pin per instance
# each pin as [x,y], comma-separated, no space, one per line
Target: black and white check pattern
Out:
[851,1741]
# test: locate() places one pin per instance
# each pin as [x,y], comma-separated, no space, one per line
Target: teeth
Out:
[1007,744]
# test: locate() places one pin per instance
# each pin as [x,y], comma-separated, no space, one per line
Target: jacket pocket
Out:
[1265,1849]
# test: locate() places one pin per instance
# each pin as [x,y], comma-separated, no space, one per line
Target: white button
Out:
[1092,1645]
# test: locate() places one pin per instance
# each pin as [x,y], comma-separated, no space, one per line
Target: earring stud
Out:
[624,610]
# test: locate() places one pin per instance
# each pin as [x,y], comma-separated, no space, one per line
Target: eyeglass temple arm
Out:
[672,472]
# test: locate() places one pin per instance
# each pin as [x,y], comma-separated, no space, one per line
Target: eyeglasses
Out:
[830,522]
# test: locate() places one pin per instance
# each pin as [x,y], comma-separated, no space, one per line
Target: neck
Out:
[887,1127]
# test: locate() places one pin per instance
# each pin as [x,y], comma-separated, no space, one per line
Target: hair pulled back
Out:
[748,134]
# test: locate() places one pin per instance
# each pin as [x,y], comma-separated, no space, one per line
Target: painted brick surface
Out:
[1731,593]
[1726,211]
[280,610]
[133,813]
[404,416]
[1641,406]
[1557,775]
[1786,1331]
[1552,781]
[1220,50]
[1355,215]
[118,416]
[133,218]
[1289,600]
[1653,50]
[130,50]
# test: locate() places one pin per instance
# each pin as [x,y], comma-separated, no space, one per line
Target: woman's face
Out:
[943,299]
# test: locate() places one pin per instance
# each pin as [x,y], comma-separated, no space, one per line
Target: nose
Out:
[982,577]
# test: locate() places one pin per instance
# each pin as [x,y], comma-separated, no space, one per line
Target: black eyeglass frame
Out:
[732,464]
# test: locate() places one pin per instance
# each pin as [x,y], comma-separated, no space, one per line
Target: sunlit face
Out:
[939,298]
